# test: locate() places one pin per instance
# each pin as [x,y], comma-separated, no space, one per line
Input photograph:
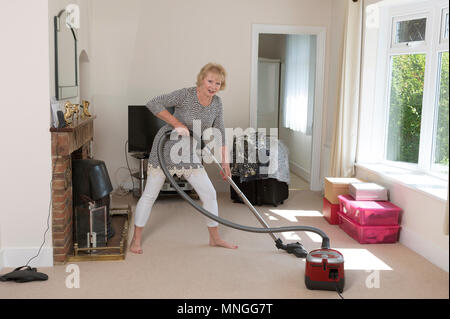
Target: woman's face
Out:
[211,84]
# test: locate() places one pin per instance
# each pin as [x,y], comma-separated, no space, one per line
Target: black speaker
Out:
[91,183]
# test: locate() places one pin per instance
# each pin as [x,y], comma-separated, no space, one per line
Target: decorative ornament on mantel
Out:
[85,105]
[71,110]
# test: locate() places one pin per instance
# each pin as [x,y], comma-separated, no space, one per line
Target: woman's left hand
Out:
[225,172]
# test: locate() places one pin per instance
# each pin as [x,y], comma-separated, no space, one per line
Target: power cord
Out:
[337,290]
[49,206]
[121,190]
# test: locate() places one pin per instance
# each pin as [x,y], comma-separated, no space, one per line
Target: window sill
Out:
[424,183]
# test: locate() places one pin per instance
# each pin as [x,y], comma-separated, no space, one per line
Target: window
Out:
[440,158]
[405,107]
[417,110]
[409,31]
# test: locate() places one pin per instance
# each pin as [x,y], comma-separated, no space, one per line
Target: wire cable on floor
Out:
[49,206]
[337,290]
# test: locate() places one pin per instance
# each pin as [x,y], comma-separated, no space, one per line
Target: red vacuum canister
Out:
[325,270]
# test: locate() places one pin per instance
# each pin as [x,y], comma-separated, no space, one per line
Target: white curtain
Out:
[298,103]
[343,149]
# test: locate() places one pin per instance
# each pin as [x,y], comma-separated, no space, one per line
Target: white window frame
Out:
[434,11]
[442,39]
[413,44]
[441,47]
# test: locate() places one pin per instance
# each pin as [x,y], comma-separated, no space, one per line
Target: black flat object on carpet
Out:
[24,275]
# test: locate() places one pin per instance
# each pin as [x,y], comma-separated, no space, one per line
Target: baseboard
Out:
[300,171]
[417,243]
[16,257]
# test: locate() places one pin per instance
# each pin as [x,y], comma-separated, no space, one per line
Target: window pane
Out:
[405,107]
[410,30]
[441,132]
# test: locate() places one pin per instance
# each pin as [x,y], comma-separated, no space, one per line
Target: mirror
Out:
[66,68]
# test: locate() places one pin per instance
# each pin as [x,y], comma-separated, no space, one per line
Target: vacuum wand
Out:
[161,143]
[241,194]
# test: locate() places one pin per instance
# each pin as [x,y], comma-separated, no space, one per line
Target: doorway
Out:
[287,92]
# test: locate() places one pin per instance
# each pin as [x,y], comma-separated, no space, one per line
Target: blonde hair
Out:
[213,68]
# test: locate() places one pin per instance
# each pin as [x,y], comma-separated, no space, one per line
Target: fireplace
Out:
[67,144]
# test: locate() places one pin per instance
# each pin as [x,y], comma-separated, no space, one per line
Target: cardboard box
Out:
[335,186]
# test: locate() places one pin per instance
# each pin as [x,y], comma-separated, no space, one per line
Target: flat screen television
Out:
[142,128]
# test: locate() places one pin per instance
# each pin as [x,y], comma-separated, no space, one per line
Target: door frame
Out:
[320,32]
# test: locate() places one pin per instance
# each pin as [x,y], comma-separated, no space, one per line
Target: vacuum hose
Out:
[161,143]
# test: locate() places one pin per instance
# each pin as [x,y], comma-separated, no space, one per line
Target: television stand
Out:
[167,188]
[141,176]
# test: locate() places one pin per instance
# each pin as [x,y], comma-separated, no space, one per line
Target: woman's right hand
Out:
[182,130]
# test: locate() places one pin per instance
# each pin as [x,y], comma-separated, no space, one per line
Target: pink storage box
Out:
[369,234]
[374,213]
[330,212]
[367,191]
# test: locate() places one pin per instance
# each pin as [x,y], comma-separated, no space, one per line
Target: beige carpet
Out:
[178,263]
[297,183]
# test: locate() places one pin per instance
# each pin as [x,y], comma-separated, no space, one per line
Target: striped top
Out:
[179,154]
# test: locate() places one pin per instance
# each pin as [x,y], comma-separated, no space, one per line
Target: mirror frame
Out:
[57,87]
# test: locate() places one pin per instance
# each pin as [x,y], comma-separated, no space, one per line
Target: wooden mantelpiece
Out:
[77,135]
[68,143]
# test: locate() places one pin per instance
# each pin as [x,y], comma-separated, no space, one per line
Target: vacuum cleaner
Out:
[324,267]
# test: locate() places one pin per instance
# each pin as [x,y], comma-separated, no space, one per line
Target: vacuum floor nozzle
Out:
[296,249]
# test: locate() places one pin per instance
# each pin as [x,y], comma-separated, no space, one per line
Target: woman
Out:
[199,103]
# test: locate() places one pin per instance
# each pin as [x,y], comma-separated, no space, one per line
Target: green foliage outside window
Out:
[441,152]
[407,83]
[405,109]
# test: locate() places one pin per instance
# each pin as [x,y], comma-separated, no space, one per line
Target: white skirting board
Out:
[300,171]
[417,243]
[16,257]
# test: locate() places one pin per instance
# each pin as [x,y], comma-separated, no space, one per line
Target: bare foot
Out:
[136,247]
[221,243]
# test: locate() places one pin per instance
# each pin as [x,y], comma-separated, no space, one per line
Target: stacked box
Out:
[369,234]
[335,186]
[374,213]
[369,222]
[330,212]
[368,191]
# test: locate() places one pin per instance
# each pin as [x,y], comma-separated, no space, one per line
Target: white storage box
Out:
[368,191]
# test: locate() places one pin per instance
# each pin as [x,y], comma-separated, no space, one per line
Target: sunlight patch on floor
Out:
[292,214]
[361,259]
[271,217]
[290,235]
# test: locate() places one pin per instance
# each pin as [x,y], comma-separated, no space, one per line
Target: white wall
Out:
[25,164]
[146,48]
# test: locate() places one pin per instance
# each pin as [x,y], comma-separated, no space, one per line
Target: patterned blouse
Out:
[179,153]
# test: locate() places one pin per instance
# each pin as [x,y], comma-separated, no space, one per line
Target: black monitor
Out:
[142,128]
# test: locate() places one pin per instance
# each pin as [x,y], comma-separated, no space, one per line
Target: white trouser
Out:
[199,181]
